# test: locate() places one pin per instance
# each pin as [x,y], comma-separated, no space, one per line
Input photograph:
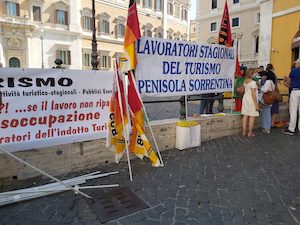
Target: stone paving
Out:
[227,181]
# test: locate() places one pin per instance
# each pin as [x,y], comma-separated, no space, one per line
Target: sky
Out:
[193,10]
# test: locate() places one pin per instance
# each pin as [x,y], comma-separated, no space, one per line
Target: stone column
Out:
[165,18]
[2,60]
[265,32]
[75,16]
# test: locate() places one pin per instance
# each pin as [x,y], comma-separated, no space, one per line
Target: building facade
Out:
[285,35]
[245,25]
[36,32]
[192,30]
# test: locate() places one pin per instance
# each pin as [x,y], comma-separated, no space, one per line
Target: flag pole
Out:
[148,121]
[128,117]
[232,90]
[154,139]
[44,173]
[122,116]
[186,107]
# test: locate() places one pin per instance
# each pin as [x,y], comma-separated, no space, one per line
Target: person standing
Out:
[268,85]
[250,106]
[239,81]
[294,99]
[275,106]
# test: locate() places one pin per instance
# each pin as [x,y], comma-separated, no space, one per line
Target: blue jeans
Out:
[207,104]
[203,105]
[266,116]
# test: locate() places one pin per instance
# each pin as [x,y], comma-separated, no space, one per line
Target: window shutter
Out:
[66,18]
[57,54]
[5,7]
[56,14]
[109,62]
[69,57]
[18,9]
[82,22]
[92,24]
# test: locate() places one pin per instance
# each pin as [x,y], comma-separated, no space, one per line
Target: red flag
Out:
[237,65]
[225,36]
[225,30]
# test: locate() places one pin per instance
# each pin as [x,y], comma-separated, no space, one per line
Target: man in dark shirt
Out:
[294,99]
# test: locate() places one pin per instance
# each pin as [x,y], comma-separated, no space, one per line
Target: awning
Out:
[296,40]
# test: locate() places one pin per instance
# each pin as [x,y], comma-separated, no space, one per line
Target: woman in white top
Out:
[250,106]
[266,109]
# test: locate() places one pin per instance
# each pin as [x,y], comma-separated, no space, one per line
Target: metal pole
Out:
[94,41]
[42,44]
[44,173]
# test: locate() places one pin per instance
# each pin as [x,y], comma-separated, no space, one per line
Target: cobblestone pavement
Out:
[227,181]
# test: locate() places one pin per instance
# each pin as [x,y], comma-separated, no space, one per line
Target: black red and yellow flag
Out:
[132,33]
[225,30]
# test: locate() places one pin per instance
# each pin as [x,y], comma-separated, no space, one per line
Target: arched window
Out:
[14,62]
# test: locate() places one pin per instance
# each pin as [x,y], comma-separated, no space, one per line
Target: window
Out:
[36,11]
[158,5]
[213,26]
[64,55]
[120,30]
[214,4]
[87,23]
[159,34]
[149,33]
[86,59]
[235,1]
[62,17]
[14,62]
[147,30]
[170,8]
[104,23]
[184,37]
[257,17]
[12,9]
[177,10]
[177,36]
[120,26]
[170,34]
[105,60]
[256,45]
[148,3]
[184,15]
[235,22]
[104,26]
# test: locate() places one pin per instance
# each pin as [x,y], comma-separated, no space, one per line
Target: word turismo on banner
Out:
[176,68]
[45,107]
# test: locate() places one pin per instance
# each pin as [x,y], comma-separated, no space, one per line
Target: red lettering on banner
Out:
[15,138]
[49,120]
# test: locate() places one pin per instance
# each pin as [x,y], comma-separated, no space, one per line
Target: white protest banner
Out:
[176,68]
[46,107]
